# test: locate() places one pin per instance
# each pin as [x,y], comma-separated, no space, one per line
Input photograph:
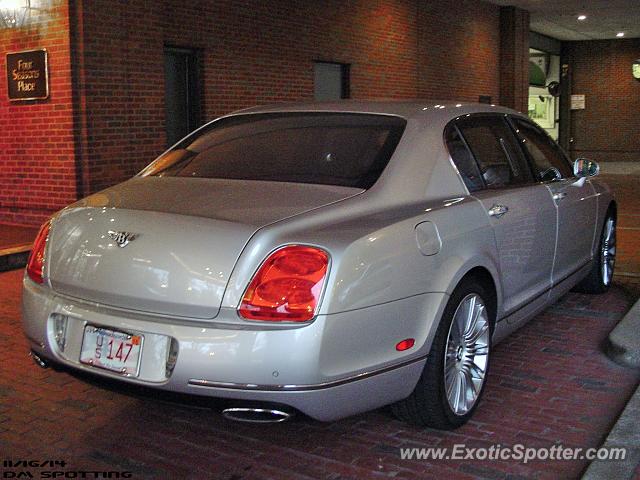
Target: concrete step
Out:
[624,435]
[623,348]
[14,257]
[15,244]
[624,340]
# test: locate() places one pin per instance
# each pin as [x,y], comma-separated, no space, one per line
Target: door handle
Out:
[498,211]
[559,196]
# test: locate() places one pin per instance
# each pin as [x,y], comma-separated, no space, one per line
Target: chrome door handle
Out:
[559,196]
[498,211]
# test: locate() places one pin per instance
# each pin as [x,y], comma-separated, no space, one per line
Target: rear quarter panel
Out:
[381,288]
[375,256]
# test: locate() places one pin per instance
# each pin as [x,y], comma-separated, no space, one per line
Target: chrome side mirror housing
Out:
[583,168]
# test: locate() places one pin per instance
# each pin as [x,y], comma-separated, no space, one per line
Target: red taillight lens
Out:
[287,287]
[35,264]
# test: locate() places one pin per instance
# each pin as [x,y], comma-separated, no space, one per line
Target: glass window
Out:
[349,150]
[496,150]
[463,159]
[549,161]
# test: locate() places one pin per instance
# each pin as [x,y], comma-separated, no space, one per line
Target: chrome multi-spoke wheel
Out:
[466,354]
[454,374]
[608,251]
[600,276]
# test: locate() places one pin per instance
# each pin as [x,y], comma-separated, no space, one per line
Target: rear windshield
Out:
[342,149]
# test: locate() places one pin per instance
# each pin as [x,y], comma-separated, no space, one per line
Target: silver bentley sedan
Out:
[326,258]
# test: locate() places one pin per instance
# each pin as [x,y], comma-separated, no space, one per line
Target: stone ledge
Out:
[624,340]
[625,434]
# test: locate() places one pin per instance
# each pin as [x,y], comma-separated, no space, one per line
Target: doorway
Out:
[330,81]
[182,95]
[544,108]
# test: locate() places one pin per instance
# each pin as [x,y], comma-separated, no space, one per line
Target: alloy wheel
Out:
[608,253]
[466,354]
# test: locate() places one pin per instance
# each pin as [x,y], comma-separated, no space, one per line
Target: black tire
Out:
[428,405]
[595,281]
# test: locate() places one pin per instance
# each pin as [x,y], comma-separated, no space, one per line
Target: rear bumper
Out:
[334,367]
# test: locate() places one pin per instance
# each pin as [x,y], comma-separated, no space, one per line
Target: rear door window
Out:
[495,148]
[349,150]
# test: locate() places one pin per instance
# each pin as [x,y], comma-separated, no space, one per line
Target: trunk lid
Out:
[168,245]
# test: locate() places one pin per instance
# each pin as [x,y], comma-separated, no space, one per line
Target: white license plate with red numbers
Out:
[111,350]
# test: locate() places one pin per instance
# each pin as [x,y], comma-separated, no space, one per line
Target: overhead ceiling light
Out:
[620,34]
[582,17]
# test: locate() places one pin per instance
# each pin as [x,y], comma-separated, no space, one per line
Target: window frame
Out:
[498,117]
[452,125]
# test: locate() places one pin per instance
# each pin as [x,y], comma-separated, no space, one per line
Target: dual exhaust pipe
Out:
[238,414]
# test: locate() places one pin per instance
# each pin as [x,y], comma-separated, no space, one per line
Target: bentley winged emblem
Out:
[122,238]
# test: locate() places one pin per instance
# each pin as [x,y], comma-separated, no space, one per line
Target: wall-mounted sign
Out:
[578,102]
[636,69]
[28,75]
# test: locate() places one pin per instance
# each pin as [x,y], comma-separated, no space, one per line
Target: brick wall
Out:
[257,52]
[252,52]
[608,129]
[459,50]
[37,161]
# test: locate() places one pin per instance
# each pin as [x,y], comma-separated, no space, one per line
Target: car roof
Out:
[408,109]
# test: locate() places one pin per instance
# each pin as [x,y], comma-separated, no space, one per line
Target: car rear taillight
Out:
[287,287]
[35,264]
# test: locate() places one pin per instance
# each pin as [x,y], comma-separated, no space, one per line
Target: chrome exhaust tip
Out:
[256,415]
[41,362]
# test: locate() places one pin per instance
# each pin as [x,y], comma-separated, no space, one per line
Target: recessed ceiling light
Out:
[582,17]
[620,34]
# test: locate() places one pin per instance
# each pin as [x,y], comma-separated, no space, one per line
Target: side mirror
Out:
[583,168]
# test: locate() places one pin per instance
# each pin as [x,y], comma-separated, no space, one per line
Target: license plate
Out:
[111,350]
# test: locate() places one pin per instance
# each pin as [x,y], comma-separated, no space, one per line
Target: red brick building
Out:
[609,128]
[105,115]
[108,112]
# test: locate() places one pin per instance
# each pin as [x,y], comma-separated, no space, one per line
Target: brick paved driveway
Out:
[550,383]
